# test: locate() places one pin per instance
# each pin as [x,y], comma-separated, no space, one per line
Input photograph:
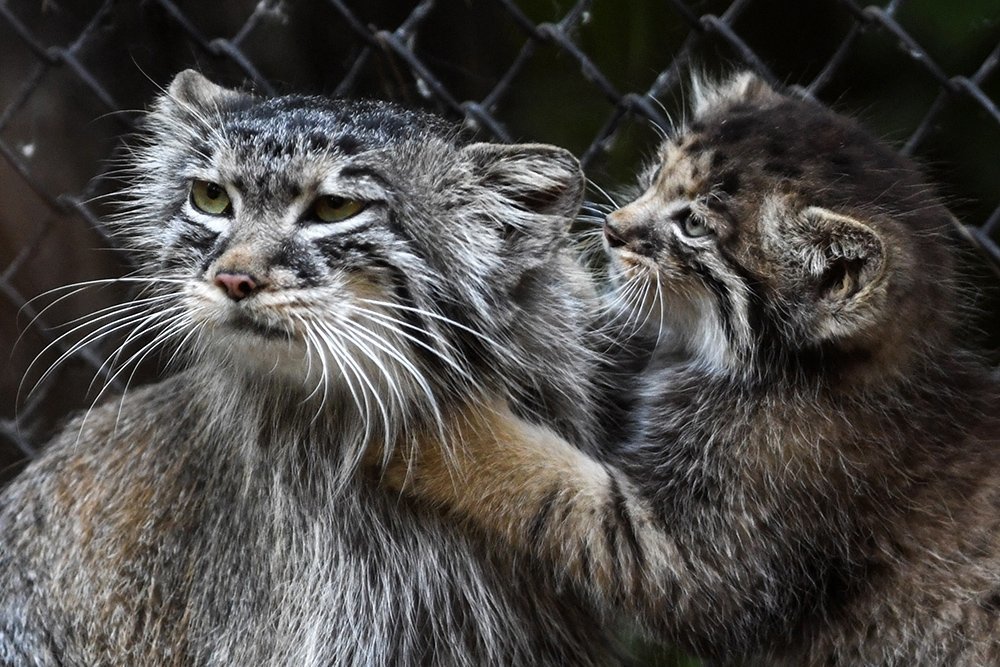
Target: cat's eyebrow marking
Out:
[364,171]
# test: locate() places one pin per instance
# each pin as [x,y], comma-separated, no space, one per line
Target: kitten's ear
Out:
[191,89]
[536,178]
[846,262]
[742,88]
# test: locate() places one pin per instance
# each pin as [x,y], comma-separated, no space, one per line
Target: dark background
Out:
[590,76]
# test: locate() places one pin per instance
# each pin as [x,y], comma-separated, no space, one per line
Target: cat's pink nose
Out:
[237,285]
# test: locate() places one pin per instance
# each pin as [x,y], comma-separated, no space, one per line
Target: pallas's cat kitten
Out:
[812,477]
[335,273]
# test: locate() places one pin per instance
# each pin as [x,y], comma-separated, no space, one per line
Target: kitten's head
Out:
[773,232]
[349,246]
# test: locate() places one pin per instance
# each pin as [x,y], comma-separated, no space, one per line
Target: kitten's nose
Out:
[612,234]
[237,285]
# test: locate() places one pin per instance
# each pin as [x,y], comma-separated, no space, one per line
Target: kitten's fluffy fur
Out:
[813,478]
[218,517]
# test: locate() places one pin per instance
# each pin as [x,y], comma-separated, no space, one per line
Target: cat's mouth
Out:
[242,322]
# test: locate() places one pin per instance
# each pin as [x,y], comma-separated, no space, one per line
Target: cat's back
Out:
[99,505]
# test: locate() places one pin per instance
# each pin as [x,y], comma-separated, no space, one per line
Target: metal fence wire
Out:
[74,76]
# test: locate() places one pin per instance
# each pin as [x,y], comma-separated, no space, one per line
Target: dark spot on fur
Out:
[717,205]
[537,199]
[293,256]
[776,148]
[197,237]
[840,158]
[734,129]
[718,157]
[347,251]
[347,144]
[524,290]
[721,293]
[730,183]
[991,602]
[786,169]
[622,518]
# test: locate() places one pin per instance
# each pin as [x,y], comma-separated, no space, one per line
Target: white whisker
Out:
[394,324]
[498,347]
[409,367]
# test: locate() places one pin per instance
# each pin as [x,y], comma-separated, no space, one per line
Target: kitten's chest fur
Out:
[225,541]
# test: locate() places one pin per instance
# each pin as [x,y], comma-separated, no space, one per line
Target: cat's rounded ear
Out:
[845,260]
[535,178]
[191,90]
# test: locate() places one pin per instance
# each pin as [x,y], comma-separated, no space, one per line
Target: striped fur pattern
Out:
[811,475]
[219,517]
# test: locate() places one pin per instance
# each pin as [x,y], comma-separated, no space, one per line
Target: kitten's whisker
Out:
[138,323]
[352,378]
[638,313]
[84,321]
[597,188]
[310,351]
[356,454]
[102,282]
[181,345]
[75,288]
[349,339]
[660,302]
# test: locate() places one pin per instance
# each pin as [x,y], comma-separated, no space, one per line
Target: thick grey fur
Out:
[219,517]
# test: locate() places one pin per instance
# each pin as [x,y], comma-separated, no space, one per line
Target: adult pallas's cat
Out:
[335,274]
[813,474]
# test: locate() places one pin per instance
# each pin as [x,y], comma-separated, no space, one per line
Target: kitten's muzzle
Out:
[237,286]
[612,235]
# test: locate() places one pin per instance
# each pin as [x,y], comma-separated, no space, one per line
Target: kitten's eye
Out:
[330,208]
[689,224]
[210,198]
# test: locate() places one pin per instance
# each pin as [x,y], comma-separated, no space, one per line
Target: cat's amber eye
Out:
[330,208]
[210,198]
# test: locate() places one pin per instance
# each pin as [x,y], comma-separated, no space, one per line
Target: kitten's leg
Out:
[525,483]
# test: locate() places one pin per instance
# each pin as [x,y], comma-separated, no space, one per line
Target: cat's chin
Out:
[257,350]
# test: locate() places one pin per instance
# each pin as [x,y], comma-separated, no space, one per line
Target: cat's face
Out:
[773,224]
[348,244]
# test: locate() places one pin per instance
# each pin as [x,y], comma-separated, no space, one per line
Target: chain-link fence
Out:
[587,75]
[74,76]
